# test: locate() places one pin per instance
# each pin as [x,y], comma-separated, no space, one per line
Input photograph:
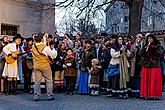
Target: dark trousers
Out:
[27,79]
[101,77]
[70,83]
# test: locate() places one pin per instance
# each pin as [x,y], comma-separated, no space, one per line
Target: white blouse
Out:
[115,57]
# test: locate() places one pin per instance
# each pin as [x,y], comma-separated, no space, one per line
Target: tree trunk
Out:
[135,15]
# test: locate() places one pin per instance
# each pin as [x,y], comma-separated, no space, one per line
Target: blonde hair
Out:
[140,35]
[95,61]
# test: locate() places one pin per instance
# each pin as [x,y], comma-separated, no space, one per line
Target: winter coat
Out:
[136,60]
[86,60]
[94,75]
[70,64]
[152,56]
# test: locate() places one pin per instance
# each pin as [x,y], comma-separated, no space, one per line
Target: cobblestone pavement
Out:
[23,101]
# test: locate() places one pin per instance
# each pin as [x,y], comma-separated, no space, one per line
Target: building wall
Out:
[117,18]
[118,15]
[29,15]
[49,17]
[153,16]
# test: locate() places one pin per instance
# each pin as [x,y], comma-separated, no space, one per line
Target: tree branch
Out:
[105,3]
[82,9]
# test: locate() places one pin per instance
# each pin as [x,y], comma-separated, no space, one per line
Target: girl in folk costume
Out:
[94,77]
[11,71]
[70,71]
[151,77]
[118,68]
[87,56]
[136,64]
[59,70]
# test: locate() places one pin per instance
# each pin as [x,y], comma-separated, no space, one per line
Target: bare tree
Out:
[135,15]
[86,27]
[92,6]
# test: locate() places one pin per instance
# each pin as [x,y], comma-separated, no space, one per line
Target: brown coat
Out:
[70,69]
[95,71]
[151,57]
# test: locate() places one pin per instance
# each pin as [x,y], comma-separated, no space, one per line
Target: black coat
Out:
[59,60]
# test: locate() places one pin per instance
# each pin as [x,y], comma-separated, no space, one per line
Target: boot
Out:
[8,87]
[14,87]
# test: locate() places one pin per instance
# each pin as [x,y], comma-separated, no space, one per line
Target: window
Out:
[148,1]
[149,20]
[8,29]
[126,29]
[118,28]
[125,18]
[121,20]
[112,29]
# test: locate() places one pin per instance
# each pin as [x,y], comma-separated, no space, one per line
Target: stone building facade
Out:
[26,17]
[117,17]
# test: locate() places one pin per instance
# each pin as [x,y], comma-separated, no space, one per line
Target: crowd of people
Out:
[122,67]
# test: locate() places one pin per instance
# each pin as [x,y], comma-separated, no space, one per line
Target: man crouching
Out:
[41,59]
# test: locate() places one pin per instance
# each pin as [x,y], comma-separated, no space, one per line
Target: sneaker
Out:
[36,97]
[51,97]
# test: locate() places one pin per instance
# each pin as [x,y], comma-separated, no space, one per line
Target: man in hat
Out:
[11,69]
[40,54]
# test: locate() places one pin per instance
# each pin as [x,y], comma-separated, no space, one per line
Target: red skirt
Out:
[151,82]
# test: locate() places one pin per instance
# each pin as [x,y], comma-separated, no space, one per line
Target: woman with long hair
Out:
[136,64]
[58,68]
[151,78]
[118,68]
[87,56]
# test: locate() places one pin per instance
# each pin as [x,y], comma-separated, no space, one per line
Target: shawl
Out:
[124,75]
